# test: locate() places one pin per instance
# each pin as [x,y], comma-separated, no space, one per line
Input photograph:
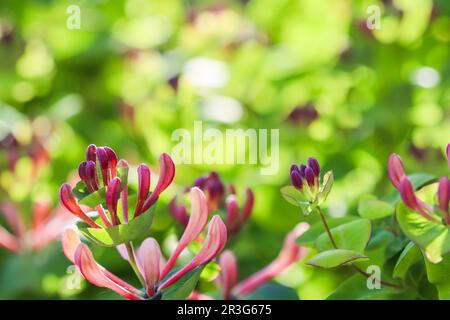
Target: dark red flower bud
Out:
[443,194]
[314,165]
[302,170]
[144,176]
[178,212]
[167,172]
[112,161]
[103,160]
[294,167]
[91,176]
[112,197]
[296,179]
[309,176]
[91,153]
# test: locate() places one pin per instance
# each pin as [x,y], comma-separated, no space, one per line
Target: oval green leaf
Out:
[335,258]
[375,209]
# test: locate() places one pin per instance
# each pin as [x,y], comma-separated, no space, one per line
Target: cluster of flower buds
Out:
[403,184]
[215,190]
[104,174]
[46,226]
[157,274]
[306,179]
[227,280]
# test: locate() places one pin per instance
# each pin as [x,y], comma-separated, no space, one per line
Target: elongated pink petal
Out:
[95,274]
[395,169]
[411,201]
[215,241]
[149,257]
[228,273]
[8,241]
[443,195]
[290,254]
[167,172]
[144,177]
[248,205]
[68,200]
[70,241]
[197,222]
[123,164]
[13,218]
[112,197]
[41,211]
[232,211]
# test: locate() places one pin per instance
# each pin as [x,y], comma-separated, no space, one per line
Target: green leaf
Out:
[94,198]
[352,235]
[80,191]
[438,274]
[181,289]
[113,236]
[335,258]
[317,229]
[355,288]
[293,196]
[410,255]
[272,291]
[328,180]
[430,236]
[375,209]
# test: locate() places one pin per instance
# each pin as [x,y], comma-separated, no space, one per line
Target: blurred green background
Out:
[136,70]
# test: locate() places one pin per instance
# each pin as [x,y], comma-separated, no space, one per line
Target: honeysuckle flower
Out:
[227,279]
[154,270]
[113,180]
[218,198]
[46,226]
[303,114]
[306,178]
[403,184]
[447,152]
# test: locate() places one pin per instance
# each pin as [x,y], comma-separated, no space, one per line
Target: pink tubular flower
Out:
[396,171]
[228,274]
[113,182]
[290,254]
[211,184]
[150,262]
[404,186]
[447,152]
[45,228]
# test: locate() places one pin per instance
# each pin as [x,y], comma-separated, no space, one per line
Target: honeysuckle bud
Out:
[102,157]
[144,176]
[91,153]
[443,195]
[68,200]
[395,169]
[122,165]
[412,201]
[178,212]
[296,179]
[314,165]
[215,241]
[149,260]
[167,172]
[232,210]
[112,197]
[197,222]
[309,176]
[88,174]
[228,273]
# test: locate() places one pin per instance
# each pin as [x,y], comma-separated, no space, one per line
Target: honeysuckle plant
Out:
[159,279]
[220,197]
[227,281]
[403,252]
[112,215]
